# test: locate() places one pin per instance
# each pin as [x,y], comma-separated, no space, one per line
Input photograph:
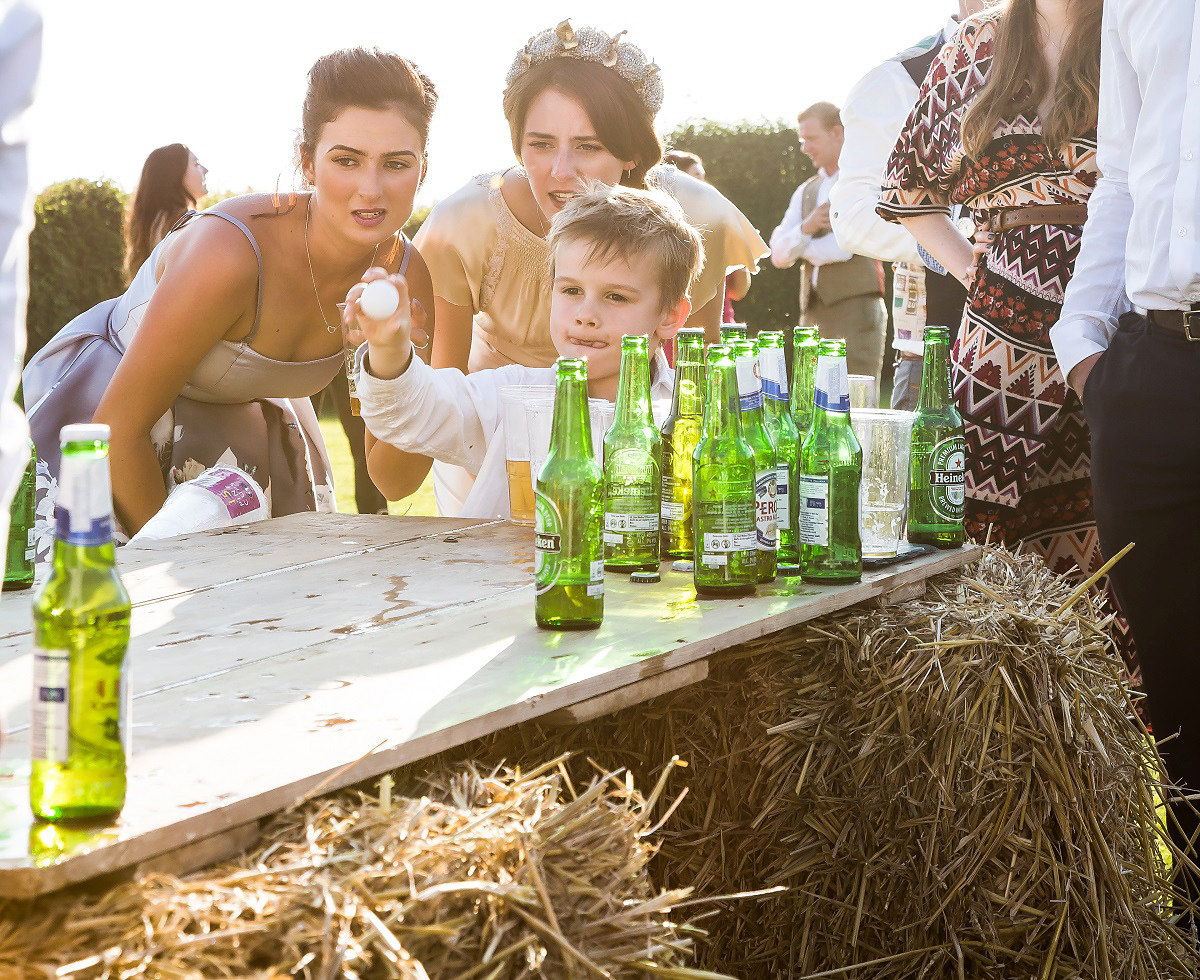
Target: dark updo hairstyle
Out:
[158,201]
[364,78]
[620,118]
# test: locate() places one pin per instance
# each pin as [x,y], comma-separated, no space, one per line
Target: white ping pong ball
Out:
[379,299]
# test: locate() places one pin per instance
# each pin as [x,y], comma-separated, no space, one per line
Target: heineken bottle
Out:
[18,559]
[732,331]
[766,472]
[80,636]
[680,435]
[804,367]
[830,474]
[782,430]
[569,513]
[725,537]
[936,479]
[632,468]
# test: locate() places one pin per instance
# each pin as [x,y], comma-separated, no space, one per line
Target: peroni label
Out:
[766,515]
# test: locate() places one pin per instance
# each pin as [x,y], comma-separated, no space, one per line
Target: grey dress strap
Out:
[407,254]
[257,255]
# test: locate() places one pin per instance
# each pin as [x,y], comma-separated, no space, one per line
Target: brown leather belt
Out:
[1038,214]
[1185,322]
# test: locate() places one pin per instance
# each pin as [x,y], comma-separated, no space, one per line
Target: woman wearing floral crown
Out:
[580,105]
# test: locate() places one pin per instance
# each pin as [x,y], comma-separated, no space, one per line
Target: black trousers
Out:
[1142,402]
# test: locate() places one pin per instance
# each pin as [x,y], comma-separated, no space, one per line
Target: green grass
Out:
[420,504]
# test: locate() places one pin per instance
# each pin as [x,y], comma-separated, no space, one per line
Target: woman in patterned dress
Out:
[1005,124]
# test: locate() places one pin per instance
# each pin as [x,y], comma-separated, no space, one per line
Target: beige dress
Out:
[481,257]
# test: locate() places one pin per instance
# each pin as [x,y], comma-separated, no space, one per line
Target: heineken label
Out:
[814,510]
[51,704]
[832,385]
[766,514]
[750,395]
[673,510]
[781,496]
[547,543]
[596,578]
[618,525]
[727,529]
[947,479]
[773,369]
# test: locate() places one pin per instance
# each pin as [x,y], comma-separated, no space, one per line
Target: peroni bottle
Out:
[937,481]
[766,472]
[680,436]
[81,635]
[569,513]
[725,538]
[632,468]
[18,564]
[804,368]
[782,430]
[830,475]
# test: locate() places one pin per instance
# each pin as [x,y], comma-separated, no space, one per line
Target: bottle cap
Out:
[644,578]
[683,565]
[787,571]
[84,432]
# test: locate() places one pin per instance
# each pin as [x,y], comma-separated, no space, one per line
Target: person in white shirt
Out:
[840,292]
[623,262]
[873,114]
[20,55]
[1128,342]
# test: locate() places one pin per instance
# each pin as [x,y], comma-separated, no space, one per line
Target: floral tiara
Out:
[592,44]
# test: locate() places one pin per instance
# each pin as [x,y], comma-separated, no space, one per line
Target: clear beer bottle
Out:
[782,430]
[81,636]
[830,475]
[766,464]
[725,537]
[569,512]
[632,468]
[937,480]
[680,436]
[804,368]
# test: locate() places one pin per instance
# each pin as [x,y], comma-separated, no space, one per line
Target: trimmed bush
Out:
[758,166]
[75,254]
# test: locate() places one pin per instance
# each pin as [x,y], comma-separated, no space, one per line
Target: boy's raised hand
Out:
[389,340]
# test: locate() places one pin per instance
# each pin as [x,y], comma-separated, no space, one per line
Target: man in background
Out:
[20,55]
[876,109]
[839,291]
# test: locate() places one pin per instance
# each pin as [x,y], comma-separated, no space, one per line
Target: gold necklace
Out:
[312,275]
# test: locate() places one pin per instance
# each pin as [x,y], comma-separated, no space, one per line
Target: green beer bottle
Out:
[632,468]
[725,538]
[936,479]
[80,635]
[766,466]
[804,367]
[732,331]
[680,435]
[830,474]
[18,563]
[569,513]
[782,430]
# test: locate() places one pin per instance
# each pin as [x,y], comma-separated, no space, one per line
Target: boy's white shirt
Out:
[458,420]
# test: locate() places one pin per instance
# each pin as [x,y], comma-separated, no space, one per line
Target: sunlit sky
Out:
[227,77]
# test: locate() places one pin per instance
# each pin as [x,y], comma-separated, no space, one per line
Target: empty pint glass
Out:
[883,494]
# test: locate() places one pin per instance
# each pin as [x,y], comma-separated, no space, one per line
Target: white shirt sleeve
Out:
[787,240]
[1096,295]
[443,414]
[873,114]
[20,56]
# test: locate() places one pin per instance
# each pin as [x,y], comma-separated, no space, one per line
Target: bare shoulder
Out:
[419,279]
[214,251]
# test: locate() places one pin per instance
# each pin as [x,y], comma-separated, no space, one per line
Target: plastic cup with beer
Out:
[885,436]
[513,399]
[864,391]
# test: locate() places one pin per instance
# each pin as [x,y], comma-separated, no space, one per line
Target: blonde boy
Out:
[622,263]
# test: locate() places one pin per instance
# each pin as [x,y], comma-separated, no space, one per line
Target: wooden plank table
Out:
[304,654]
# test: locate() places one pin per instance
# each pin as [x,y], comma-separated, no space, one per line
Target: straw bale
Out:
[957,786]
[487,875]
